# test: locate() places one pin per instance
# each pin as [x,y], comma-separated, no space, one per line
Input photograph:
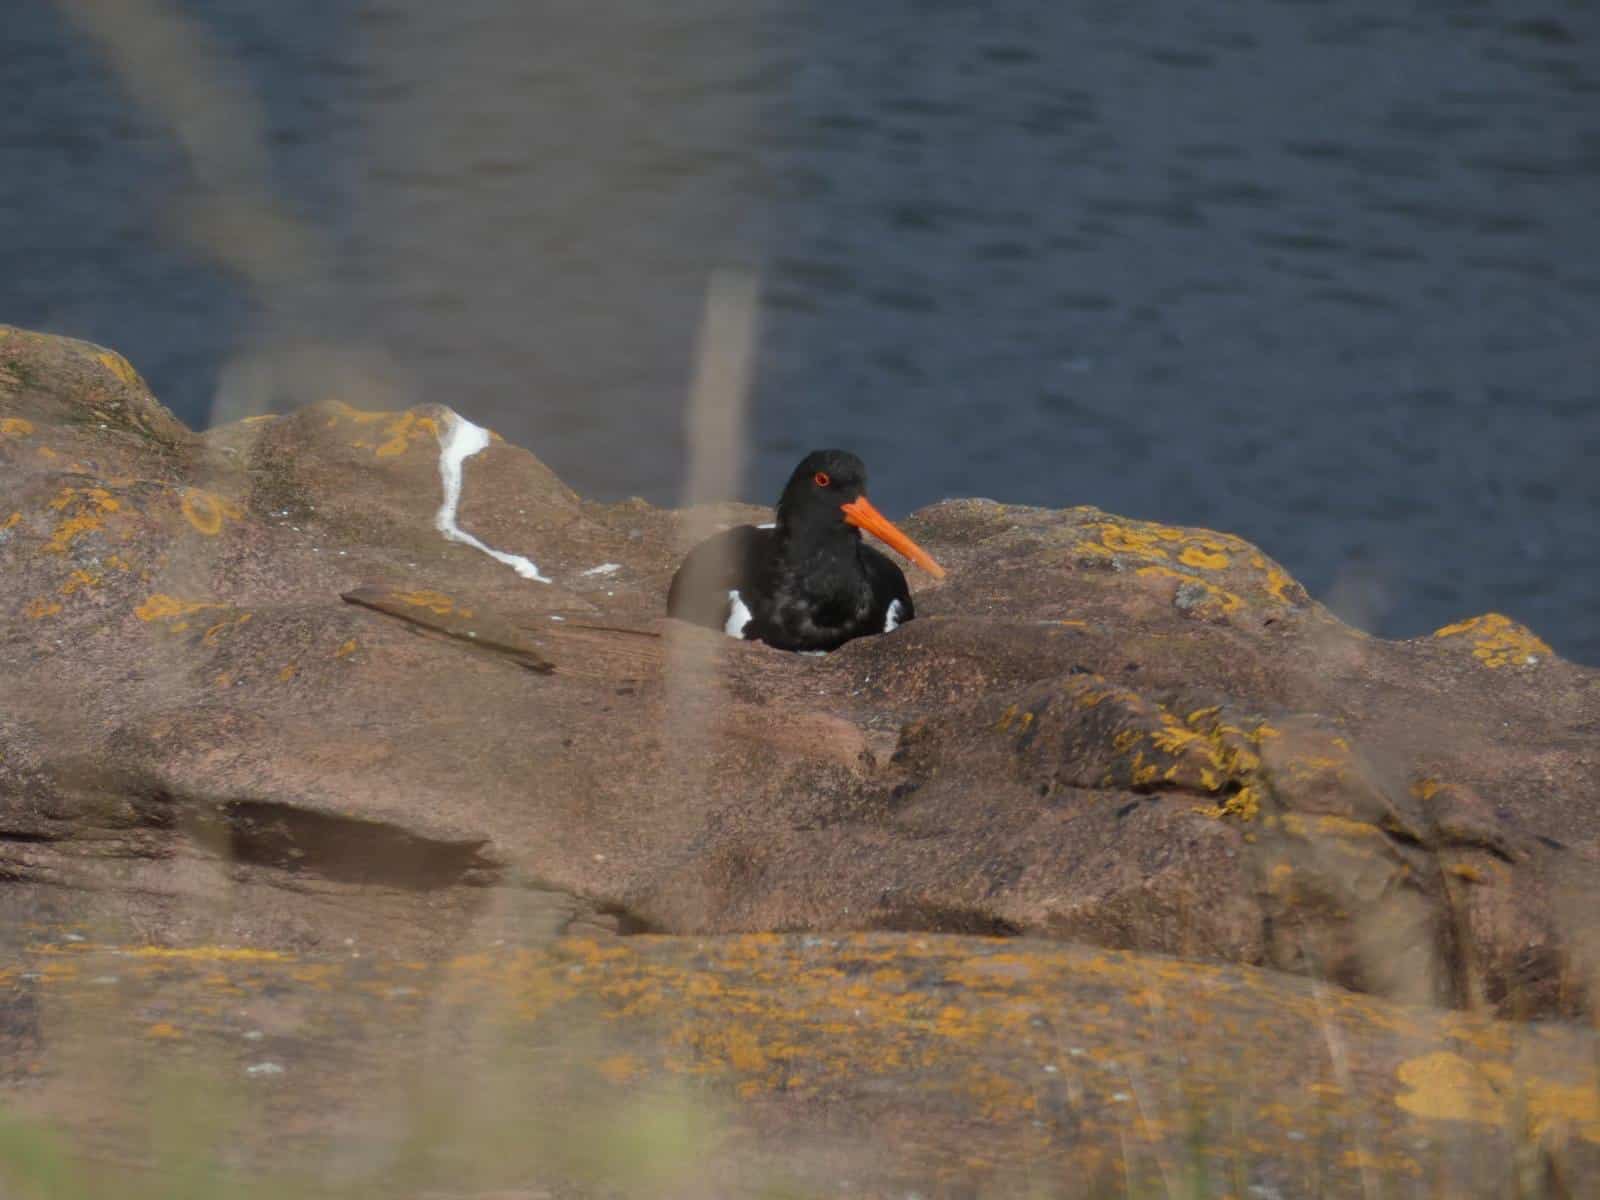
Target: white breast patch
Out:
[892,618]
[738,615]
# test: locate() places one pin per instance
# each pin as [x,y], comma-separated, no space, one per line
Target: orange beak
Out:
[863,516]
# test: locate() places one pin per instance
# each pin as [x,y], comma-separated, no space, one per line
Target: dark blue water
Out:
[1326,275]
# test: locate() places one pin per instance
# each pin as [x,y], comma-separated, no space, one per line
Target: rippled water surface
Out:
[1325,275]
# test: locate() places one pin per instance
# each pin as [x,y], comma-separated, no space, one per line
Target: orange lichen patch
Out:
[1198,556]
[1137,743]
[1244,805]
[1122,540]
[986,1035]
[347,649]
[434,602]
[39,609]
[10,521]
[161,1029]
[85,511]
[77,580]
[15,427]
[999,1098]
[1325,825]
[57,971]
[1446,1087]
[1425,789]
[288,672]
[397,433]
[1471,872]
[1151,540]
[1278,582]
[1184,554]
[120,367]
[1195,594]
[171,609]
[1498,641]
[205,511]
[218,629]
[208,953]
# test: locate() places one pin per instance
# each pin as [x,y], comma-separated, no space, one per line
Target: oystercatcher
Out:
[807,581]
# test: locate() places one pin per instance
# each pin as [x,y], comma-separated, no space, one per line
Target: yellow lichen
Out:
[1210,560]
[1447,1087]
[206,510]
[1278,584]
[41,608]
[77,580]
[1244,804]
[1213,599]
[120,367]
[1125,740]
[1326,824]
[398,432]
[216,630]
[86,509]
[1498,641]
[162,607]
[209,953]
[434,602]
[347,649]
[15,427]
[1123,539]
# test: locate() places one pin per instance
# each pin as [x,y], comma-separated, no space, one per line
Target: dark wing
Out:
[888,586]
[718,565]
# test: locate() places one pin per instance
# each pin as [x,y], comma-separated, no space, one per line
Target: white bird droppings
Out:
[459,441]
[264,1068]
[738,615]
[604,569]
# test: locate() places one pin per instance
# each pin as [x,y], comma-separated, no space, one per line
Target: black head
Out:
[826,498]
[823,483]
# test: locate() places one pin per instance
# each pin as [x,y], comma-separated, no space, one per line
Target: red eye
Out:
[821,479]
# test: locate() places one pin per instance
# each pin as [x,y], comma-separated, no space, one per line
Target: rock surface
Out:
[872,1065]
[1099,730]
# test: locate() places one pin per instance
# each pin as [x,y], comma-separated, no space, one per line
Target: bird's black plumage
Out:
[807,582]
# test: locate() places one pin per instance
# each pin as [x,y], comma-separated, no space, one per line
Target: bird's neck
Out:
[826,555]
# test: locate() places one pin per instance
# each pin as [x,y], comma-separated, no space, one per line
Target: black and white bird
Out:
[806,582]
